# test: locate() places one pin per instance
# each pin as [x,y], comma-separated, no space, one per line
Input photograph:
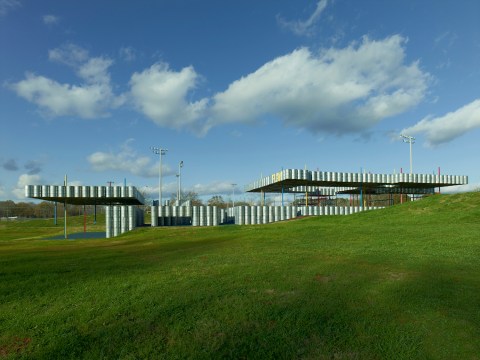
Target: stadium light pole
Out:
[179,195]
[410,140]
[233,195]
[159,151]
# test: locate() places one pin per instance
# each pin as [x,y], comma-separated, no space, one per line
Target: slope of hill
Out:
[396,283]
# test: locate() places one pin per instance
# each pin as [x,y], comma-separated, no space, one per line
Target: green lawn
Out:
[399,283]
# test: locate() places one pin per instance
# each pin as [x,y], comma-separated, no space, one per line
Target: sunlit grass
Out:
[397,283]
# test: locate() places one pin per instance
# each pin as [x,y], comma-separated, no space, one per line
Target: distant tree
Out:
[218,201]
[241,203]
[342,202]
[7,208]
[44,209]
[193,197]
[24,209]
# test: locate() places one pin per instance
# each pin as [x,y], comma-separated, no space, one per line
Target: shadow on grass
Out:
[80,235]
[175,298]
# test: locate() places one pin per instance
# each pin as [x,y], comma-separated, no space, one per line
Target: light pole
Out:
[160,152]
[233,195]
[410,140]
[179,195]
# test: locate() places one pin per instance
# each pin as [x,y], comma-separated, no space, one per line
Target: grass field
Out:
[399,283]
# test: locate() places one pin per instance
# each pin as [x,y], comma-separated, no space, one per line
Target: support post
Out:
[65,210]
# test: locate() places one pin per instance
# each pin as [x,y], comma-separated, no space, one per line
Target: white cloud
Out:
[69,54]
[7,5]
[446,128]
[95,70]
[304,27]
[223,188]
[214,188]
[336,91]
[160,94]
[91,99]
[128,53]
[55,99]
[50,19]
[461,188]
[25,179]
[127,160]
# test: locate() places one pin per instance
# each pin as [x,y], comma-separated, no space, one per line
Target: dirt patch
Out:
[321,278]
[396,276]
[15,346]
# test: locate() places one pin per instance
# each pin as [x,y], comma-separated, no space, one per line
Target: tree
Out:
[44,209]
[192,196]
[218,201]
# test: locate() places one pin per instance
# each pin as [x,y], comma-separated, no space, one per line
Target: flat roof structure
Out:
[332,183]
[86,195]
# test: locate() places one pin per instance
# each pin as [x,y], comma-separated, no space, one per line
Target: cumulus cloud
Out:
[10,165]
[91,99]
[55,99]
[304,27]
[443,129]
[332,91]
[25,179]
[335,91]
[7,5]
[50,19]
[95,70]
[161,95]
[127,160]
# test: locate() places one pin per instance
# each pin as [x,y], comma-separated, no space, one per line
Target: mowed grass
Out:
[399,283]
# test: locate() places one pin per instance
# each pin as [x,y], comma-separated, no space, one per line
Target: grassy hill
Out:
[398,283]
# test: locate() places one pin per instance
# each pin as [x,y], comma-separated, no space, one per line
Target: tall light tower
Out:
[410,140]
[179,195]
[159,151]
[233,195]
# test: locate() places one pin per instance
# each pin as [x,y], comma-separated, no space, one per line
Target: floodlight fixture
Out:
[179,176]
[410,140]
[159,151]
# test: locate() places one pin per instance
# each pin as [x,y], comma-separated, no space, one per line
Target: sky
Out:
[236,90]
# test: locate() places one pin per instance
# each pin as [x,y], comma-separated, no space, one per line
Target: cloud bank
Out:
[443,129]
[336,91]
[332,91]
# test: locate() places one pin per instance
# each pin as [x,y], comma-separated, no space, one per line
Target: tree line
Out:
[44,209]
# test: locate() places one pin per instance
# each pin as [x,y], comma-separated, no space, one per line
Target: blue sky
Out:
[235,89]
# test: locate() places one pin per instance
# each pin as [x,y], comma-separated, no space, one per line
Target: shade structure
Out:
[332,183]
